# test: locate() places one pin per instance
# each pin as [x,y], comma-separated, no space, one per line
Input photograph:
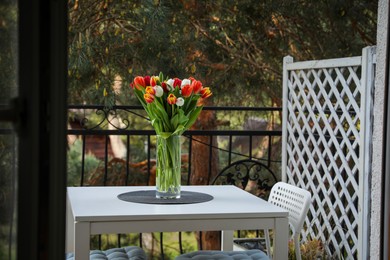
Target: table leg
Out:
[227,240]
[281,233]
[69,228]
[81,240]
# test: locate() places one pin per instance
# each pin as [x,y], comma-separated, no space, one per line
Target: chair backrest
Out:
[295,200]
[250,175]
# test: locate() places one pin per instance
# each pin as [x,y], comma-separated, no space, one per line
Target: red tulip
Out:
[196,86]
[186,90]
[165,87]
[177,83]
[147,80]
[138,82]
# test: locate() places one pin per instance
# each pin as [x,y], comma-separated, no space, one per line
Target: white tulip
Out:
[170,82]
[185,82]
[179,101]
[159,91]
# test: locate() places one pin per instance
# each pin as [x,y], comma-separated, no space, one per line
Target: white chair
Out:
[296,201]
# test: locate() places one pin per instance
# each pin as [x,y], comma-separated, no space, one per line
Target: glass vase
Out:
[168,167]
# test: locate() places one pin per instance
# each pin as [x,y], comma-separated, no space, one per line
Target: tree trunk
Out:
[204,166]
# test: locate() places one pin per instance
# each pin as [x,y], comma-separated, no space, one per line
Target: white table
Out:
[97,210]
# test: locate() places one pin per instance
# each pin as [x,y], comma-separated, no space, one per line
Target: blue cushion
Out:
[126,253]
[225,255]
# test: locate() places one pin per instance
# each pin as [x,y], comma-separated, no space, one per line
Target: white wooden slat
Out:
[328,63]
[367,79]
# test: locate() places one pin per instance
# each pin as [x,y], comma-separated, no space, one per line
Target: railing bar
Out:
[210,158]
[239,108]
[200,241]
[180,243]
[82,160]
[265,109]
[105,161]
[140,240]
[250,147]
[161,245]
[269,150]
[127,159]
[119,240]
[230,149]
[234,132]
[186,133]
[189,159]
[100,242]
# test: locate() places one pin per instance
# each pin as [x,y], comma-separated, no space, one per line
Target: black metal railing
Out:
[238,133]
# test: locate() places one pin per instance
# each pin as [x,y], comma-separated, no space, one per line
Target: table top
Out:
[102,204]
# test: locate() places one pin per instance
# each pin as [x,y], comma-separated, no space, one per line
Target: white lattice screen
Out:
[326,135]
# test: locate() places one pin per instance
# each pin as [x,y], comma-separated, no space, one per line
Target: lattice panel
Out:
[324,114]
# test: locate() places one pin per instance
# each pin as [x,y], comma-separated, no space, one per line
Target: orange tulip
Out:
[171,99]
[148,98]
[150,90]
[205,92]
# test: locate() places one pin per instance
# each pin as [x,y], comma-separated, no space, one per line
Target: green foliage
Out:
[230,45]
[91,163]
[311,249]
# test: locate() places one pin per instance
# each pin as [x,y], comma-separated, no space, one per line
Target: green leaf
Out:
[159,109]
[179,130]
[191,105]
[183,119]
[175,121]
[165,135]
[193,116]
[161,77]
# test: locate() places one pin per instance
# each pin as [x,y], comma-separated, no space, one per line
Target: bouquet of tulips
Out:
[171,104]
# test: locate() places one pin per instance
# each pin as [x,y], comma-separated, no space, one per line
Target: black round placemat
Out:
[149,197]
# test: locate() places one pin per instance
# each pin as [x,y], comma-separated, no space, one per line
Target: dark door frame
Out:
[42,129]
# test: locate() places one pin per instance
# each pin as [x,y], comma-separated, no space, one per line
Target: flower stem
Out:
[168,170]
